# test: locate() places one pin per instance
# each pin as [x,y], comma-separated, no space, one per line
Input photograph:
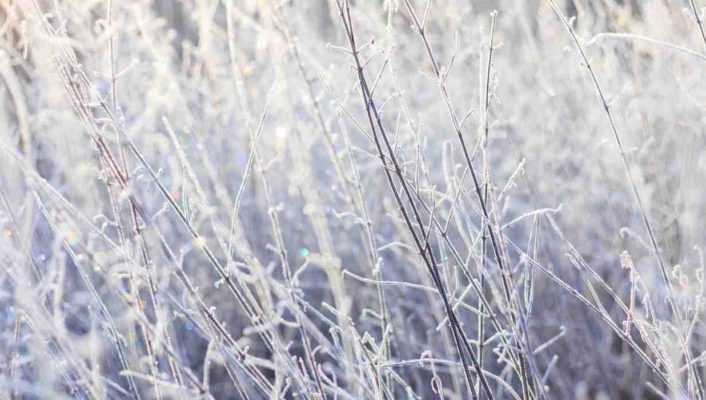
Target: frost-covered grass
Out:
[250,199]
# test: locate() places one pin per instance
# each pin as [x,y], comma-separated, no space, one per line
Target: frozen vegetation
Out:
[370,199]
